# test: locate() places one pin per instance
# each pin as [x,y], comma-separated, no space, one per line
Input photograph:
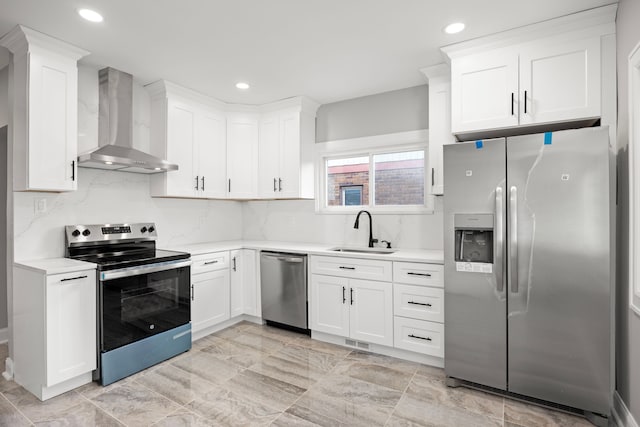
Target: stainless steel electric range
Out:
[143,294]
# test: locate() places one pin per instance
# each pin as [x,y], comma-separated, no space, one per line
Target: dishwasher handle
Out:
[285,258]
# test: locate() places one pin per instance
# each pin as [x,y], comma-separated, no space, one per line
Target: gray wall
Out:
[4,119]
[388,112]
[628,324]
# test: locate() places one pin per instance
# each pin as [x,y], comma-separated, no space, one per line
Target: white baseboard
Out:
[621,414]
[4,335]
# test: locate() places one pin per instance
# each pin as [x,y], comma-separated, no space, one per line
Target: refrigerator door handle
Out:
[513,239]
[499,241]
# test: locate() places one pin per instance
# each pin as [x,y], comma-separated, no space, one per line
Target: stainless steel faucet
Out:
[357,225]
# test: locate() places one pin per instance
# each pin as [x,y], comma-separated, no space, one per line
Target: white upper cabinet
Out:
[287,138]
[560,81]
[484,90]
[439,77]
[189,130]
[542,74]
[45,111]
[242,155]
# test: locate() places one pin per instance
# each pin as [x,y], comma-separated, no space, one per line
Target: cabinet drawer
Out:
[415,273]
[418,302]
[209,262]
[352,267]
[419,336]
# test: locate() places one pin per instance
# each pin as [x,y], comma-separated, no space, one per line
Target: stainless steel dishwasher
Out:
[283,280]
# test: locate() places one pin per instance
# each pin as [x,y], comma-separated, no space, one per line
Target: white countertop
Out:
[399,254]
[55,265]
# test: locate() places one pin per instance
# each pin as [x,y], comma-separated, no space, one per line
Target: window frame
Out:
[368,147]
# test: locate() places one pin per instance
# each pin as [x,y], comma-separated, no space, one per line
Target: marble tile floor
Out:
[250,375]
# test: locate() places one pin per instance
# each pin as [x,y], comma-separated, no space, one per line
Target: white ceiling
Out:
[328,50]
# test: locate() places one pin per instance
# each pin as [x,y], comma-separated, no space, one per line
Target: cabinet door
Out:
[251,287]
[211,154]
[242,157]
[439,132]
[209,299]
[180,143]
[561,81]
[371,314]
[269,157]
[52,123]
[289,184]
[70,325]
[237,282]
[484,91]
[330,305]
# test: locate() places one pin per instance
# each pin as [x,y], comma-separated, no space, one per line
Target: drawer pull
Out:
[66,279]
[426,304]
[215,261]
[193,293]
[420,338]
[342,267]
[344,298]
[411,273]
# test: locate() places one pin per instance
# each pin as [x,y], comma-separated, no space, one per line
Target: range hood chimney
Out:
[115,130]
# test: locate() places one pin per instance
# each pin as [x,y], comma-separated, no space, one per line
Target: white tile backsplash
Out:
[297,221]
[118,197]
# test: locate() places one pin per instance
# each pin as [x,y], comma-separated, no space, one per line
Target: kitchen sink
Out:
[364,250]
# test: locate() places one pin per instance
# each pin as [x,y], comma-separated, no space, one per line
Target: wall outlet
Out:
[40,206]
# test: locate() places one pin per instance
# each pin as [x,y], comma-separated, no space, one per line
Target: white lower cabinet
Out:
[418,308]
[210,290]
[54,346]
[244,286]
[223,285]
[419,336]
[353,308]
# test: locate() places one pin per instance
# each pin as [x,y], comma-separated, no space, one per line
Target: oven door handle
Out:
[143,269]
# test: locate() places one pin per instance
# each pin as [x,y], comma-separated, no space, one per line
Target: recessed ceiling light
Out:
[108,163]
[242,85]
[454,28]
[158,169]
[90,15]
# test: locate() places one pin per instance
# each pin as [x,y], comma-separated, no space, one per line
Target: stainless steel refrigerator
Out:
[528,266]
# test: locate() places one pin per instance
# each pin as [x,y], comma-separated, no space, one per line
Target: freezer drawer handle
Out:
[66,279]
[420,338]
[426,304]
[215,261]
[342,267]
[411,273]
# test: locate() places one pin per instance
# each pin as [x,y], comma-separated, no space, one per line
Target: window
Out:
[352,195]
[374,176]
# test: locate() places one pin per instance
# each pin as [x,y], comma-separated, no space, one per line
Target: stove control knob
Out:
[85,233]
[143,230]
[75,233]
[152,229]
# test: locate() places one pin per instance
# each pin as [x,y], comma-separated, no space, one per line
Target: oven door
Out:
[142,301]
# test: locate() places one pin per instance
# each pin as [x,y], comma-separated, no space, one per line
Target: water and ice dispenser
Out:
[474,242]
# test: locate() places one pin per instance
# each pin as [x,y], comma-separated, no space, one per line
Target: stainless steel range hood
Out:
[115,130]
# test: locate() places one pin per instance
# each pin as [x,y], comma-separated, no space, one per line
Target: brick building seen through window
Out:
[398,180]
